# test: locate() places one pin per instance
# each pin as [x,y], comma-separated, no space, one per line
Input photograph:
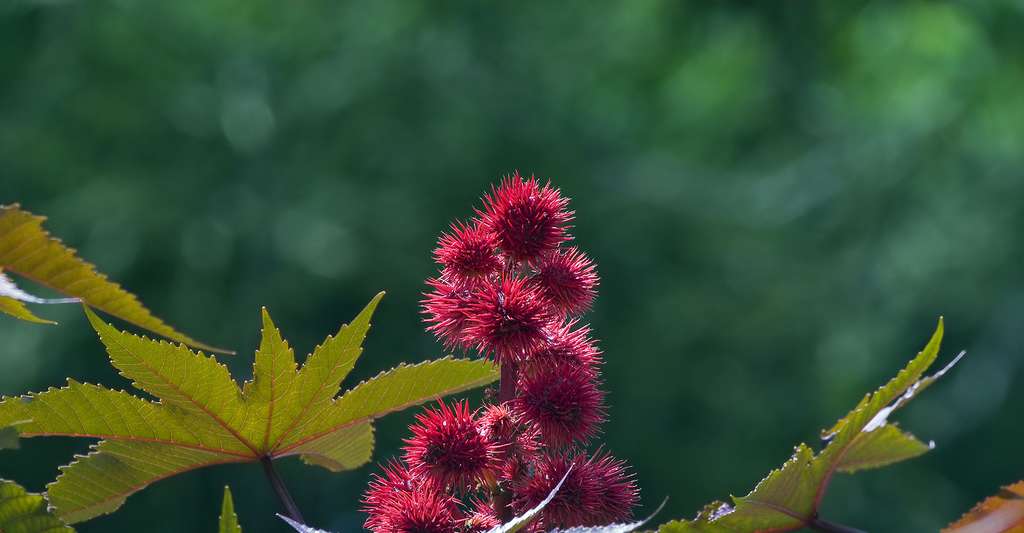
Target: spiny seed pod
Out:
[619,492]
[383,487]
[563,401]
[426,510]
[482,518]
[527,219]
[400,501]
[447,448]
[467,253]
[597,491]
[568,279]
[567,346]
[507,319]
[516,440]
[445,311]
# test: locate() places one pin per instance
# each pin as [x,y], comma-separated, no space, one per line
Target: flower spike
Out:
[510,289]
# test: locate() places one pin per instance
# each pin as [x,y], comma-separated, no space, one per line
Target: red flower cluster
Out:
[510,288]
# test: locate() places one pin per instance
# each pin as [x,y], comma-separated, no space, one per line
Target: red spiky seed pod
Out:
[568,345]
[447,448]
[446,311]
[596,492]
[395,478]
[516,440]
[619,494]
[482,518]
[425,510]
[506,429]
[507,319]
[517,469]
[568,279]
[527,219]
[398,501]
[467,252]
[563,401]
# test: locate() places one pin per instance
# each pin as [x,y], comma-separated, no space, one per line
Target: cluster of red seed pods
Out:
[511,289]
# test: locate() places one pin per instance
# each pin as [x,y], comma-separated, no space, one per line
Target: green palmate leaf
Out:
[24,512]
[1003,513]
[338,450]
[99,482]
[204,418]
[788,498]
[28,250]
[394,390]
[881,447]
[228,518]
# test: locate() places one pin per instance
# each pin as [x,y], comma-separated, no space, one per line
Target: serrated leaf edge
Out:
[284,451]
[103,278]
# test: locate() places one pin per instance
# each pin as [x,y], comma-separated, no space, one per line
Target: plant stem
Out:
[507,385]
[825,526]
[506,391]
[281,490]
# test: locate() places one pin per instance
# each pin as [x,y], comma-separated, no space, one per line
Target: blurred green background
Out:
[782,198]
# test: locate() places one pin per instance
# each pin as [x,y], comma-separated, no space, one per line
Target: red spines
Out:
[526,218]
[447,311]
[468,252]
[426,510]
[383,487]
[447,448]
[398,501]
[508,319]
[511,290]
[598,490]
[568,279]
[619,492]
[517,440]
[567,345]
[482,517]
[563,401]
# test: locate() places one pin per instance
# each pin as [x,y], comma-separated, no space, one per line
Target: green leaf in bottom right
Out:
[788,499]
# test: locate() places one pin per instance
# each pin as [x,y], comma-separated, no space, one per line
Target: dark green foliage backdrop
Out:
[781,200]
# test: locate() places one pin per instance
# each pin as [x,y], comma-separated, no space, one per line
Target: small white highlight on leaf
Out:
[880,419]
[722,510]
[301,528]
[9,289]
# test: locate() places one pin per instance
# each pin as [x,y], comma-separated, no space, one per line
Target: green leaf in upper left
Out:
[204,418]
[27,249]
